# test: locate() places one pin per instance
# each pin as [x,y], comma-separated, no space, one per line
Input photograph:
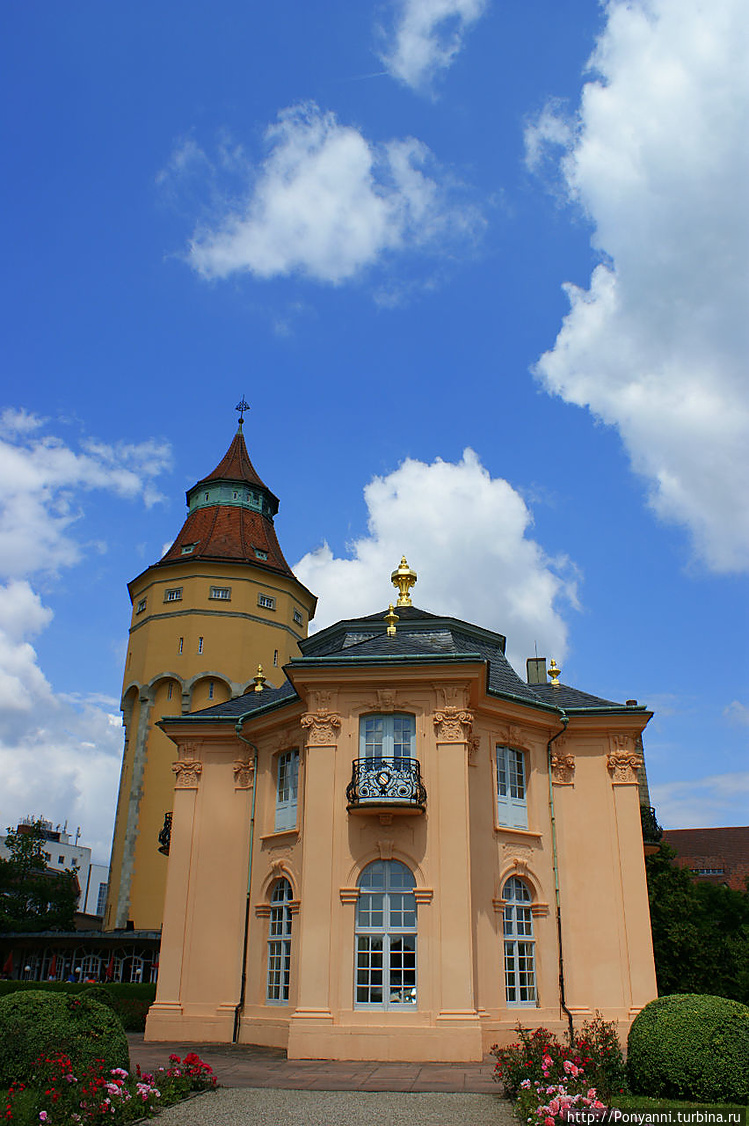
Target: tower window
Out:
[266,602]
[275,657]
[206,496]
[141,606]
[169,691]
[200,645]
[181,644]
[188,548]
[173,595]
[222,593]
[298,618]
[260,554]
[210,689]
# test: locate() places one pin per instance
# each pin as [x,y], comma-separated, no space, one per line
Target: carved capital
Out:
[188,773]
[624,766]
[562,769]
[453,724]
[322,727]
[244,773]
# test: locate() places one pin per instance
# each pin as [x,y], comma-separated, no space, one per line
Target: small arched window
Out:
[386,937]
[520,961]
[279,943]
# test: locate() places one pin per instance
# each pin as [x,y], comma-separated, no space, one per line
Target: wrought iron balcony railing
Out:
[386,782]
[651,830]
[165,836]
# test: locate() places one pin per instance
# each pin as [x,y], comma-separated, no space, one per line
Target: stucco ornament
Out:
[323,727]
[386,699]
[188,773]
[562,768]
[244,773]
[474,746]
[453,725]
[513,736]
[624,759]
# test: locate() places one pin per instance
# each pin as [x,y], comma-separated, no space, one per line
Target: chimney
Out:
[536,667]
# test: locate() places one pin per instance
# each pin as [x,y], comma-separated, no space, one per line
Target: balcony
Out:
[386,786]
[651,830]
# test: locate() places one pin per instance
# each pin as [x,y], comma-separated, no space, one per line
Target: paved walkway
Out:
[245,1065]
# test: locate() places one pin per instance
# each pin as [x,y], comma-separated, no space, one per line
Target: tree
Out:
[700,932]
[32,896]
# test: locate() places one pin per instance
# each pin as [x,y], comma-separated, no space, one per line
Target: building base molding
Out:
[198,1023]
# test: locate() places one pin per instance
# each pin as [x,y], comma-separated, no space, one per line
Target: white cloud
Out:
[737,713]
[42,482]
[465,534]
[704,803]
[426,37]
[59,756]
[657,345]
[327,203]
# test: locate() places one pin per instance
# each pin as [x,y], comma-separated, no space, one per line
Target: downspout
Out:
[243,986]
[555,861]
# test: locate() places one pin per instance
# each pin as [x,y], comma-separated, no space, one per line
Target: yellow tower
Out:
[221,601]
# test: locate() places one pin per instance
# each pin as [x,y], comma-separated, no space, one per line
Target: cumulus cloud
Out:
[426,36]
[657,344]
[42,481]
[59,755]
[327,203]
[466,535]
[737,713]
[703,803]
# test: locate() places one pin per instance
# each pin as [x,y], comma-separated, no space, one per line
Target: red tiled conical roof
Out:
[231,533]
[235,465]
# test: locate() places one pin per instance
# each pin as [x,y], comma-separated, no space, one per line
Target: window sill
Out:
[279,833]
[518,832]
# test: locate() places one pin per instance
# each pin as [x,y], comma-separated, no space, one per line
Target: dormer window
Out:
[260,554]
[188,548]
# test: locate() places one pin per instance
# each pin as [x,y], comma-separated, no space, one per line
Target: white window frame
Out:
[266,601]
[512,788]
[287,790]
[387,735]
[519,945]
[173,594]
[278,979]
[220,593]
[386,934]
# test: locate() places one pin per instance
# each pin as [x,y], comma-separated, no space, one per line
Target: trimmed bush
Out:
[36,1024]
[130,1001]
[691,1046]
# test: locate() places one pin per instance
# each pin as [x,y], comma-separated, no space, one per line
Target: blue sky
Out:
[479,267]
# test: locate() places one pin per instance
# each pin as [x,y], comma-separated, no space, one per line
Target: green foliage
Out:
[700,932]
[689,1046]
[129,1001]
[31,897]
[596,1051]
[35,1024]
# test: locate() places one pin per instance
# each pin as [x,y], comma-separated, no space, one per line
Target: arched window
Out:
[520,968]
[279,943]
[386,937]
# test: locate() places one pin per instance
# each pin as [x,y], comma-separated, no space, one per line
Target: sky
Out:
[478,266]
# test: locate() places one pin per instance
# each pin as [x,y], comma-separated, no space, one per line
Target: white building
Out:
[61,854]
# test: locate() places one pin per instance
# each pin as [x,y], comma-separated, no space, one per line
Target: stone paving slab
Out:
[338,1108]
[247,1065]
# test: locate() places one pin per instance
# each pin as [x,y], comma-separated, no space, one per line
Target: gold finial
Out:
[259,679]
[403,578]
[391,618]
[554,673]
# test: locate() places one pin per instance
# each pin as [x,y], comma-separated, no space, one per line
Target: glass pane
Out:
[517,774]
[404,728]
[372,736]
[501,772]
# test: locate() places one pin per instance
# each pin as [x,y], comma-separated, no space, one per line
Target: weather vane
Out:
[242,406]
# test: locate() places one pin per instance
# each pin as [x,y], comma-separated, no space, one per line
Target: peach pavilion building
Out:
[396,848]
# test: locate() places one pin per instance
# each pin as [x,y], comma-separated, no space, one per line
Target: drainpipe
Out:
[243,987]
[555,859]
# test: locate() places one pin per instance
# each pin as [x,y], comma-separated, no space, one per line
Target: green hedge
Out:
[130,1002]
[691,1046]
[39,1023]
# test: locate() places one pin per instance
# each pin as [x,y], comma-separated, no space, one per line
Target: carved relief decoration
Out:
[188,773]
[517,851]
[453,695]
[474,746]
[621,743]
[562,768]
[386,699]
[285,740]
[244,773]
[624,766]
[323,727]
[453,724]
[514,736]
[323,698]
[385,847]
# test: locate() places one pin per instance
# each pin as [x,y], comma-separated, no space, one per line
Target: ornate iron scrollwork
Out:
[386,781]
[165,836]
